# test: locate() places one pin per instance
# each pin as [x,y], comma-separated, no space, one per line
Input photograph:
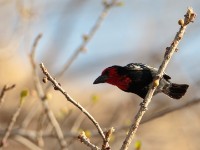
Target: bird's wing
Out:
[140,66]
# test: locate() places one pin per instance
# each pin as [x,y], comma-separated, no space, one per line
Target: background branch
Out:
[13,119]
[84,139]
[3,91]
[43,97]
[87,38]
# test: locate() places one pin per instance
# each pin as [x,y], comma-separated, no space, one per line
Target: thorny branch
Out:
[58,87]
[43,97]
[189,17]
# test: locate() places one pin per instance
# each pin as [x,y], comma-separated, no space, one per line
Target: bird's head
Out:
[115,75]
[108,75]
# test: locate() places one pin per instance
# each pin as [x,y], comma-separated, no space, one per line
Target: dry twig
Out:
[32,135]
[3,91]
[26,142]
[13,120]
[57,86]
[84,139]
[43,97]
[189,17]
[87,38]
[108,135]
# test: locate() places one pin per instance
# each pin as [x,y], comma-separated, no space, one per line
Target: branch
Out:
[3,91]
[108,135]
[32,134]
[26,142]
[58,87]
[84,139]
[189,17]
[43,97]
[87,38]
[14,119]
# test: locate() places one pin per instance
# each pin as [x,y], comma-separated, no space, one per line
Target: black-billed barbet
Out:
[137,77]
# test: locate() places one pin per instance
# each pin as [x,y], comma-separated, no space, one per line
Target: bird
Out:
[137,77]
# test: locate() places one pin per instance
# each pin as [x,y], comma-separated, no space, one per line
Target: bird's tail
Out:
[176,91]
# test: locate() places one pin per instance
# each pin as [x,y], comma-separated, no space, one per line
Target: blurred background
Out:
[133,31]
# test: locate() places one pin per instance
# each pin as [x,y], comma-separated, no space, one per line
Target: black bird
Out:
[137,77]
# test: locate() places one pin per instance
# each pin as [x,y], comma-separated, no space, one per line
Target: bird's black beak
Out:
[100,79]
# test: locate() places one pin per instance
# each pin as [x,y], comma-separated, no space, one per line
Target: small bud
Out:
[156,83]
[127,122]
[23,94]
[88,133]
[105,3]
[120,4]
[138,145]
[95,98]
[83,49]
[181,22]
[44,80]
[49,96]
[85,37]
[55,88]
[192,17]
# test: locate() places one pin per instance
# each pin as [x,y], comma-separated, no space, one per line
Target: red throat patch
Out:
[121,82]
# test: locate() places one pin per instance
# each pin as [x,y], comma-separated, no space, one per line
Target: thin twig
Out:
[30,115]
[26,142]
[87,38]
[43,97]
[35,43]
[189,17]
[3,91]
[79,120]
[32,134]
[58,87]
[108,135]
[84,139]
[11,124]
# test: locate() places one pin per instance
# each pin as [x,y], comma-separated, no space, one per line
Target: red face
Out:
[110,75]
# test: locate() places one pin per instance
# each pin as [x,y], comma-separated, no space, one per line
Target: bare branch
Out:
[108,135]
[35,43]
[43,97]
[3,91]
[87,38]
[26,142]
[12,122]
[84,139]
[32,135]
[189,17]
[58,87]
